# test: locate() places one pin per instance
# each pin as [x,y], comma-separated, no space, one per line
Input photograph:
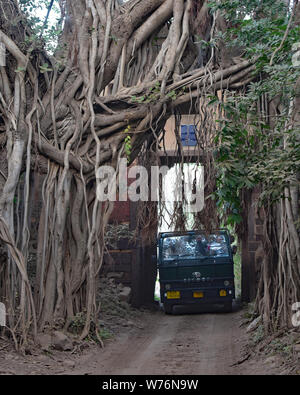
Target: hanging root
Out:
[117,68]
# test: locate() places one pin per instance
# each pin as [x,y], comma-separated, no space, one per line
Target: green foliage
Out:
[77,323]
[136,99]
[151,96]
[258,335]
[20,69]
[43,34]
[127,141]
[282,346]
[114,39]
[44,68]
[105,334]
[252,148]
[172,95]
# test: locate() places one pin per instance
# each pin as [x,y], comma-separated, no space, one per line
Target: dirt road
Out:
[181,344]
[197,344]
[151,343]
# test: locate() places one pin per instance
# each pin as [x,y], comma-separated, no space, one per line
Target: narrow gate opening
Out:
[166,208]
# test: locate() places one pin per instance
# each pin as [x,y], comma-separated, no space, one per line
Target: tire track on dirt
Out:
[179,344]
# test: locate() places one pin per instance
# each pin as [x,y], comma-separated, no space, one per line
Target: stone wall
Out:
[252,253]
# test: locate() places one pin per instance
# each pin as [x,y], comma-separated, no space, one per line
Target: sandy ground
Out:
[184,344]
[155,344]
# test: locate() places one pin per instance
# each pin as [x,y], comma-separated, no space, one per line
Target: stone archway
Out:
[133,263]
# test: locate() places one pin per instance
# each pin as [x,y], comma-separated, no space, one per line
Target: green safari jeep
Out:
[196,268]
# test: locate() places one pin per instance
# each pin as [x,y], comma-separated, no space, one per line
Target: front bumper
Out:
[210,296]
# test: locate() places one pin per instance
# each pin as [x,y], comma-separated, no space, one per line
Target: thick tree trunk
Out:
[108,74]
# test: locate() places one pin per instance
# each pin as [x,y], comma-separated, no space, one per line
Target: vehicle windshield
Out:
[196,245]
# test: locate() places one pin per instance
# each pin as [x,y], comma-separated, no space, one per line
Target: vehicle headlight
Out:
[226,283]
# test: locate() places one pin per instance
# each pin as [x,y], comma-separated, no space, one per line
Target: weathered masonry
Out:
[131,264]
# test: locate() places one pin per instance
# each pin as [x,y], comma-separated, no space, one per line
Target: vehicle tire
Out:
[227,307]
[168,308]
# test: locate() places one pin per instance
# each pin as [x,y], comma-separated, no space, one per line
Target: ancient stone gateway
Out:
[132,264]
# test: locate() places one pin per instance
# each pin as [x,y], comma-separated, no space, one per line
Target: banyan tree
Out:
[118,71]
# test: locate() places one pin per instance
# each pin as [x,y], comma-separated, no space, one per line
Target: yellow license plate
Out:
[198,294]
[223,292]
[173,295]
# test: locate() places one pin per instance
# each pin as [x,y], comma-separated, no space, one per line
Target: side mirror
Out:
[231,239]
[234,250]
